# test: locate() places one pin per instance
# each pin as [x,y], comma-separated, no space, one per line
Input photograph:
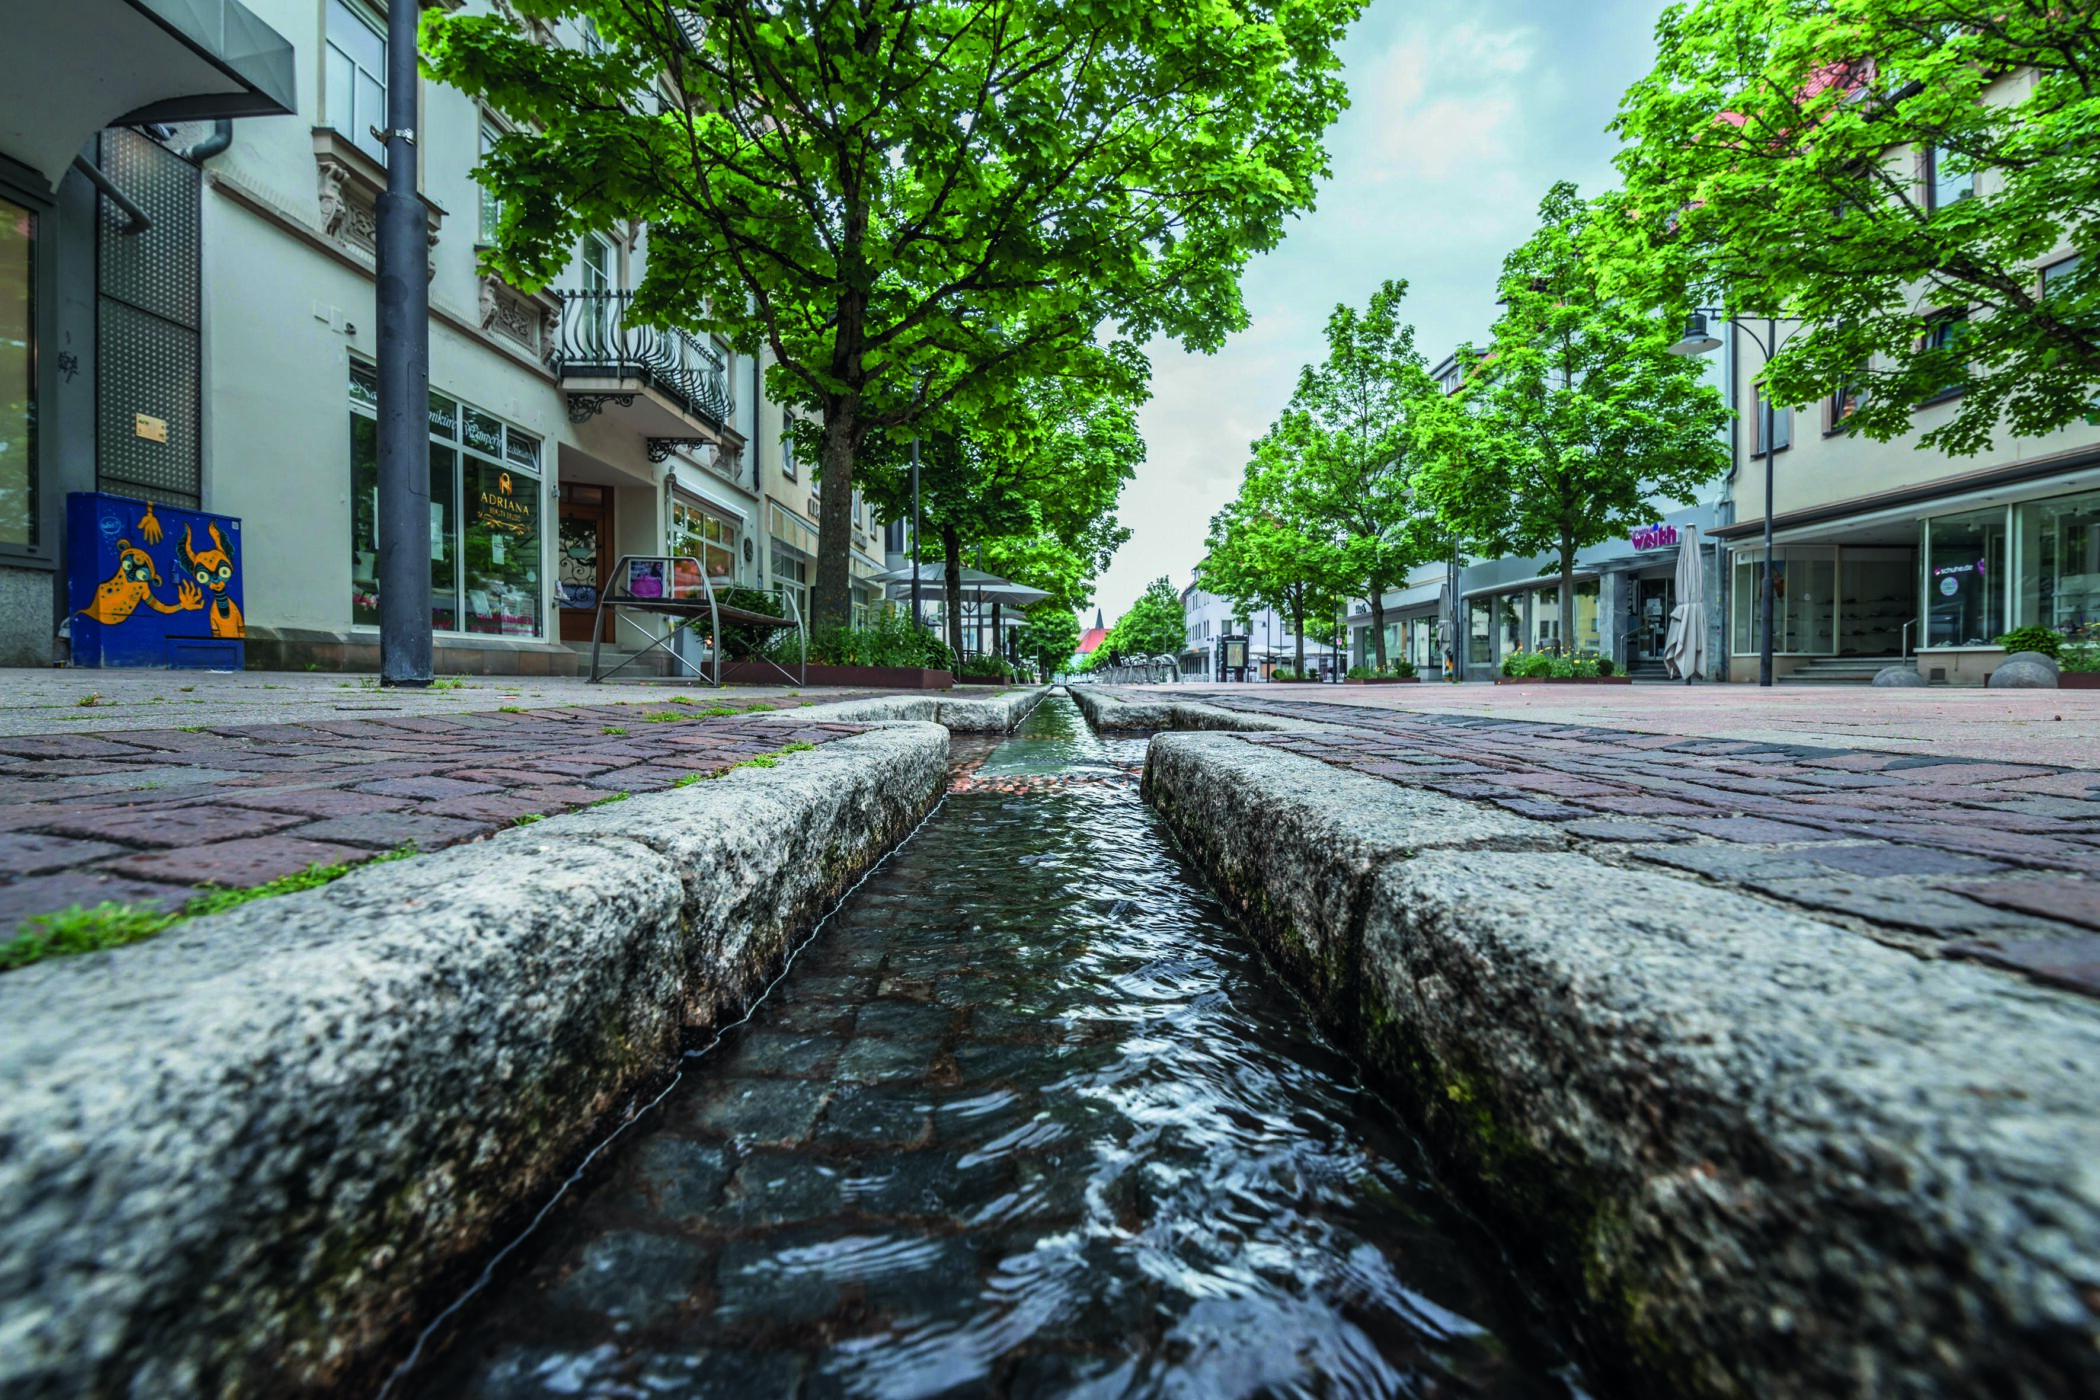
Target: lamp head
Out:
[1697,339]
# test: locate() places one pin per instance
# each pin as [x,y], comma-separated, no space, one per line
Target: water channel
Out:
[1026,1117]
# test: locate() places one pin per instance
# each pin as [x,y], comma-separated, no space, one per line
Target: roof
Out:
[1090,639]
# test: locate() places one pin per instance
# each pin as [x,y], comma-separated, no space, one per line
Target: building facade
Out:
[562,434]
[1270,641]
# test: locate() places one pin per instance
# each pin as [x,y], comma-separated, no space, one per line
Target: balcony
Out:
[673,388]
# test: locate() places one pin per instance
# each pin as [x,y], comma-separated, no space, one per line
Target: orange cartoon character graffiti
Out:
[213,570]
[118,596]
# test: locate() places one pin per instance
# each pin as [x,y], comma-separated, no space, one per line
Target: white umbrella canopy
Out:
[1684,648]
[977,586]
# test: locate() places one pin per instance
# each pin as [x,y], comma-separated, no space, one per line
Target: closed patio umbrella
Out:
[1684,648]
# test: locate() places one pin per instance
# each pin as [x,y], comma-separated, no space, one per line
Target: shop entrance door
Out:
[1654,599]
[584,560]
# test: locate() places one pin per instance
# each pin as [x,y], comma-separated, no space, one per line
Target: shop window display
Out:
[1965,579]
[2059,552]
[707,538]
[484,517]
[1877,594]
[1480,633]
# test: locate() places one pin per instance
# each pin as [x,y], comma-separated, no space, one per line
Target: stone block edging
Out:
[1766,1157]
[238,1159]
[963,714]
[1158,709]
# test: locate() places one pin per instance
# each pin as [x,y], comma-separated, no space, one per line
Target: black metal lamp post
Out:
[403,316]
[917,621]
[1698,340]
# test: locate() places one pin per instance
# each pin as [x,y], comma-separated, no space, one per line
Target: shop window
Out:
[18,310]
[1877,595]
[1965,579]
[1509,621]
[1545,620]
[1804,602]
[1782,423]
[354,76]
[2059,553]
[707,538]
[792,573]
[1480,633]
[485,551]
[1585,638]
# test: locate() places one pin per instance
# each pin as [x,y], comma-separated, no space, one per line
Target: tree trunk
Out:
[951,589]
[831,603]
[1378,621]
[1298,628]
[1567,593]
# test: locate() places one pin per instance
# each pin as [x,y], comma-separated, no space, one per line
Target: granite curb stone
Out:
[234,1158]
[1769,1156]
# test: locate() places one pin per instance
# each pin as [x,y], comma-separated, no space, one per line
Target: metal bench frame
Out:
[692,610]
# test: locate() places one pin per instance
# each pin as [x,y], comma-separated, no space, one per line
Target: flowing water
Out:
[1027,1117]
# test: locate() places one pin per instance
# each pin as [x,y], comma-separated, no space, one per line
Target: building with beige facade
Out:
[562,435]
[1884,551]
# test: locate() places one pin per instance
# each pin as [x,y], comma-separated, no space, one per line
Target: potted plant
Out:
[2081,666]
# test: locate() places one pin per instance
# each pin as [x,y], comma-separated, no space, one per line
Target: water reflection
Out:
[1027,1119]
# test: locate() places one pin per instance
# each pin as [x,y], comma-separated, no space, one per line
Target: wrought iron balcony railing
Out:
[597,341]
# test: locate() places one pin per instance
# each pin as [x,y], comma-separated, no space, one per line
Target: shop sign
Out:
[1654,537]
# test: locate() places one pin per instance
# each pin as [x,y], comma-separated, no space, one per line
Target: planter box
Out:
[1380,680]
[880,677]
[1564,680]
[983,680]
[2078,680]
[1273,681]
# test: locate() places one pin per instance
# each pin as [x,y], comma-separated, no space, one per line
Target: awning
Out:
[77,66]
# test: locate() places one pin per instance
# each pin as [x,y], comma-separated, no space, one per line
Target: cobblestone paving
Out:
[148,815]
[1964,856]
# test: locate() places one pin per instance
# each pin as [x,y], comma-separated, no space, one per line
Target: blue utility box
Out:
[151,585]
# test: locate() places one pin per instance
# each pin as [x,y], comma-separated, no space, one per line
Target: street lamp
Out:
[1698,340]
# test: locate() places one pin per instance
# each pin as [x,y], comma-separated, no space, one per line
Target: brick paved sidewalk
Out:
[1961,856]
[148,815]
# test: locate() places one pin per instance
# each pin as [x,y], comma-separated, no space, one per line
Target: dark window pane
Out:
[18,474]
[502,549]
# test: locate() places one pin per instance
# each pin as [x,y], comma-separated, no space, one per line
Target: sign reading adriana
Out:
[503,509]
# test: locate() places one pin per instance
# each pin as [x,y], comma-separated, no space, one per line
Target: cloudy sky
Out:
[1462,113]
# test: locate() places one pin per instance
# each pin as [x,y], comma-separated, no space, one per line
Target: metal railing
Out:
[597,340]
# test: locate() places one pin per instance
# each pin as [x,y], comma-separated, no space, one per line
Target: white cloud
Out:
[1462,113]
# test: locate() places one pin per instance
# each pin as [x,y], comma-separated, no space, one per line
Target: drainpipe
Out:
[137,221]
[215,144]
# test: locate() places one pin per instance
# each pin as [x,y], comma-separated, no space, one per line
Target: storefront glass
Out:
[496,537]
[705,537]
[1965,581]
[1480,633]
[1545,620]
[1509,621]
[1804,601]
[1877,594]
[17,375]
[2060,565]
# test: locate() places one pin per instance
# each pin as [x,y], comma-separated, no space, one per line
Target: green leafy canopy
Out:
[913,205]
[1781,159]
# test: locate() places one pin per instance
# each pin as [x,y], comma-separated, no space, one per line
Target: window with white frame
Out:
[354,76]
[1949,178]
[1782,423]
[491,207]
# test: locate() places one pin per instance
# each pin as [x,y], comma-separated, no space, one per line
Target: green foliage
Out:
[989,668]
[1050,637]
[112,925]
[916,208]
[742,641]
[1577,418]
[1779,160]
[1401,667]
[890,639]
[1348,427]
[1154,626]
[1283,673]
[2081,658]
[1269,548]
[1605,666]
[2045,640]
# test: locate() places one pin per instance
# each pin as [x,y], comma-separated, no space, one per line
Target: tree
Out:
[916,205]
[1348,426]
[1268,549]
[1050,637]
[1576,420]
[1034,489]
[1873,168]
[1154,626]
